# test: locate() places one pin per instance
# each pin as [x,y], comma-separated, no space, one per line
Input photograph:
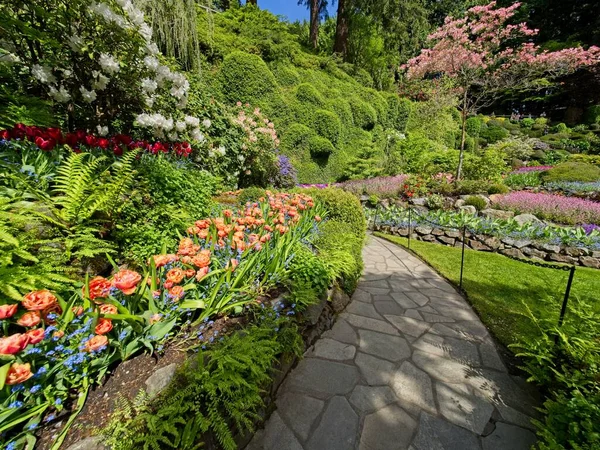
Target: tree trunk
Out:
[463,137]
[342,29]
[314,23]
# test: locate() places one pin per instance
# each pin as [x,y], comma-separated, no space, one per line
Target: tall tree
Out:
[252,2]
[342,30]
[482,55]
[318,11]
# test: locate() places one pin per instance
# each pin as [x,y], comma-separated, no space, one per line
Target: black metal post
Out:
[462,258]
[563,310]
[409,225]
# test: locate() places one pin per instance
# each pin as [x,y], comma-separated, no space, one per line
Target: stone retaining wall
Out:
[516,248]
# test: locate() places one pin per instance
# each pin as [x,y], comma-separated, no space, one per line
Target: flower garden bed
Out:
[228,267]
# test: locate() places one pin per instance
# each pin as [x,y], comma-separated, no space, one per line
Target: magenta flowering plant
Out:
[557,208]
[531,169]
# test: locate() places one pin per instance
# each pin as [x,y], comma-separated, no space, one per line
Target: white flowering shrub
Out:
[97,62]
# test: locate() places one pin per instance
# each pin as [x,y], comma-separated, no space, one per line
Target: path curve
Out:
[407,365]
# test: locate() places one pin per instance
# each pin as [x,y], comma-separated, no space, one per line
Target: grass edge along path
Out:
[501,289]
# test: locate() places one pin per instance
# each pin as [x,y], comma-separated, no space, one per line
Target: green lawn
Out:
[499,287]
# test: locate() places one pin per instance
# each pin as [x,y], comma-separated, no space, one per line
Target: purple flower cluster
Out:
[380,186]
[590,227]
[317,186]
[531,169]
[557,208]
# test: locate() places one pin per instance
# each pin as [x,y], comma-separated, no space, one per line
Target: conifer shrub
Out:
[307,93]
[320,147]
[342,206]
[573,171]
[245,78]
[327,124]
[364,114]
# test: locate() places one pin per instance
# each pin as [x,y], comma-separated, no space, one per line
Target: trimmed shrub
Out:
[527,123]
[493,133]
[572,171]
[342,206]
[342,109]
[251,194]
[297,136]
[327,125]
[474,126]
[467,187]
[286,75]
[498,189]
[364,114]
[320,147]
[589,159]
[307,93]
[476,201]
[245,78]
[561,128]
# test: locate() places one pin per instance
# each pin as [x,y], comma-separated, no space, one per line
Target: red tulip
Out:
[103,143]
[117,150]
[45,144]
[90,140]
[5,134]
[71,139]
[55,134]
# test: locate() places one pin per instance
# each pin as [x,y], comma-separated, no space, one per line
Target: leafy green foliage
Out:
[245,78]
[309,271]
[572,171]
[328,125]
[251,194]
[307,93]
[320,147]
[478,202]
[493,133]
[364,114]
[343,207]
[221,389]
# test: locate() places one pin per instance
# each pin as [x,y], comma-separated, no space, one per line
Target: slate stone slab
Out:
[330,349]
[508,437]
[375,371]
[408,325]
[278,436]
[367,399]
[363,309]
[458,406]
[338,428]
[414,386]
[389,428]
[434,433]
[321,376]
[367,323]
[342,332]
[299,412]
[392,348]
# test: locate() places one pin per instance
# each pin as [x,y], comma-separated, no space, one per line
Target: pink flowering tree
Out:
[485,55]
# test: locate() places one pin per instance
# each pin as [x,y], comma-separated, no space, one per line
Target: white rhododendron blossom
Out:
[207,123]
[149,86]
[101,81]
[197,135]
[222,150]
[109,64]
[88,96]
[75,42]
[180,126]
[151,63]
[152,49]
[146,32]
[102,130]
[192,122]
[61,95]
[43,74]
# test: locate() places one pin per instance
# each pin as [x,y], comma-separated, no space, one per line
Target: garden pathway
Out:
[408,365]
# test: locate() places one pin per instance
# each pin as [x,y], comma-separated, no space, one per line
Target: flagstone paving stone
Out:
[407,365]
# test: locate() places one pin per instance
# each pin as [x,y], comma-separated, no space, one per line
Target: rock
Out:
[517,243]
[533,253]
[492,242]
[339,300]
[401,203]
[322,377]
[485,199]
[438,434]
[412,385]
[423,230]
[563,259]
[576,251]
[330,349]
[497,214]
[589,261]
[549,248]
[523,219]
[419,201]
[509,436]
[313,312]
[446,240]
[388,428]
[595,254]
[160,380]
[495,197]
[364,198]
[300,411]
[402,232]
[437,232]
[338,427]
[428,238]
[392,348]
[452,234]
[371,398]
[463,409]
[460,202]
[476,245]
[277,435]
[90,443]
[513,253]
[468,209]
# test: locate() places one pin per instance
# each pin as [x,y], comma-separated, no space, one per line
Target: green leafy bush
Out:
[307,93]
[592,115]
[250,195]
[474,126]
[320,147]
[572,171]
[245,78]
[307,270]
[493,133]
[498,189]
[476,201]
[341,251]
[588,159]
[527,123]
[342,206]
[398,111]
[466,187]
[560,128]
[364,114]
[327,124]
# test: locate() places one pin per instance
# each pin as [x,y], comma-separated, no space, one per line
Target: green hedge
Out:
[342,206]
[307,93]
[320,147]
[246,78]
[327,124]
[364,114]
[573,171]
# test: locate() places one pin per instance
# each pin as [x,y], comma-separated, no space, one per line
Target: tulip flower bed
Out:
[557,208]
[55,348]
[47,139]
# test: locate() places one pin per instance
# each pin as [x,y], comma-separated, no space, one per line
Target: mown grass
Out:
[501,289]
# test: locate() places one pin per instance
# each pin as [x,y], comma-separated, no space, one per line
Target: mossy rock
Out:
[246,78]
[327,124]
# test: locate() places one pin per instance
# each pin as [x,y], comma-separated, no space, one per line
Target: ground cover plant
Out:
[583,236]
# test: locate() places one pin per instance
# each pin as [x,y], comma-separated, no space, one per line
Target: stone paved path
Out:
[408,365]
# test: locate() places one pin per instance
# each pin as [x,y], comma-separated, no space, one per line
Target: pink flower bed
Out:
[532,169]
[569,210]
[380,186]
